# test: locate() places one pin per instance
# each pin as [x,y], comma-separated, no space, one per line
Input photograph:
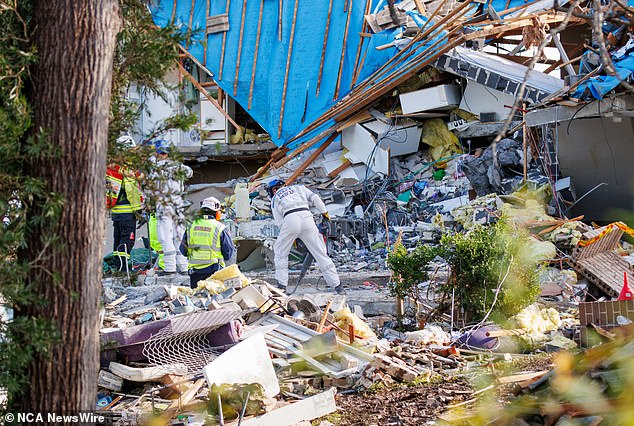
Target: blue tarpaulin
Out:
[301,98]
[303,105]
[599,86]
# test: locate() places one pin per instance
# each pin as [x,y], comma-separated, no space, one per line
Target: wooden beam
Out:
[323,48]
[207,4]
[202,90]
[310,159]
[224,44]
[304,147]
[280,9]
[340,169]
[343,49]
[237,74]
[361,40]
[255,54]
[267,166]
[505,26]
[420,7]
[289,57]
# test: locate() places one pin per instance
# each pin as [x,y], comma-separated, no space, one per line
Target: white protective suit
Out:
[170,221]
[290,206]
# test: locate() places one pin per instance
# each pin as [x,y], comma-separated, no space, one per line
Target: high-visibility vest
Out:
[154,242]
[119,177]
[204,247]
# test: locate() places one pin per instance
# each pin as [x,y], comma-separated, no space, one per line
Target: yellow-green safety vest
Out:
[154,242]
[203,243]
[133,192]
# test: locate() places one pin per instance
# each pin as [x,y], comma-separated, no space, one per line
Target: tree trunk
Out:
[70,98]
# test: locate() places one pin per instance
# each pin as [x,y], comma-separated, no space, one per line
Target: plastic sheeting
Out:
[601,85]
[302,105]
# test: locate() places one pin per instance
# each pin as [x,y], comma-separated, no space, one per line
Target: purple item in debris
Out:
[225,336]
[478,338]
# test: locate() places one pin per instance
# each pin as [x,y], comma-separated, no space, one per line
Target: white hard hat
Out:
[126,140]
[210,203]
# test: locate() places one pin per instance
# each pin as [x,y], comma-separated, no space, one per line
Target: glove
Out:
[326,216]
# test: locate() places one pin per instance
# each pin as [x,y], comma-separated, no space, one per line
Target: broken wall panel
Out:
[598,151]
[363,149]
[604,314]
[498,73]
[478,99]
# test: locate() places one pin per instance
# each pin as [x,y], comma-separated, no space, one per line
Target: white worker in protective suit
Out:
[167,181]
[291,210]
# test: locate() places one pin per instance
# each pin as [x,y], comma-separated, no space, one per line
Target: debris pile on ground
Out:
[442,171]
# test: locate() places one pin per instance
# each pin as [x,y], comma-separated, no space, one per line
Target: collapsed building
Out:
[408,118]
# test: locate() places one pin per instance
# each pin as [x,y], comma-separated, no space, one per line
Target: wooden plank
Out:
[188,396]
[289,57]
[323,48]
[224,44]
[362,34]
[207,95]
[114,303]
[268,165]
[357,118]
[420,7]
[255,54]
[191,20]
[310,159]
[220,19]
[218,23]
[521,377]
[206,43]
[237,73]
[343,50]
[280,9]
[324,316]
[505,27]
[346,164]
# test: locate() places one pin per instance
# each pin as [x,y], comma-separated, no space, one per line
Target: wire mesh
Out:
[185,341]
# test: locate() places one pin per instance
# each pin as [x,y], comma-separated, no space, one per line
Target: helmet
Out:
[162,146]
[210,203]
[275,183]
[126,141]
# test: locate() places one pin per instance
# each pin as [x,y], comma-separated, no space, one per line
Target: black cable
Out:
[573,116]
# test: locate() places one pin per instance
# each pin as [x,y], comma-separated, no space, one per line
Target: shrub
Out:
[483,261]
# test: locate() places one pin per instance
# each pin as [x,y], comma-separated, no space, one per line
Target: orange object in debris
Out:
[626,291]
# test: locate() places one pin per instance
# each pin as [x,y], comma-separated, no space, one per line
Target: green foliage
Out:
[144,53]
[486,259]
[20,339]
[481,260]
[410,269]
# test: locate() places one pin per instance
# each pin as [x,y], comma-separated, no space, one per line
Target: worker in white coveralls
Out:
[291,210]
[167,180]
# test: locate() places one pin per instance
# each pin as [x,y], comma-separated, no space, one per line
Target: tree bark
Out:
[70,99]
